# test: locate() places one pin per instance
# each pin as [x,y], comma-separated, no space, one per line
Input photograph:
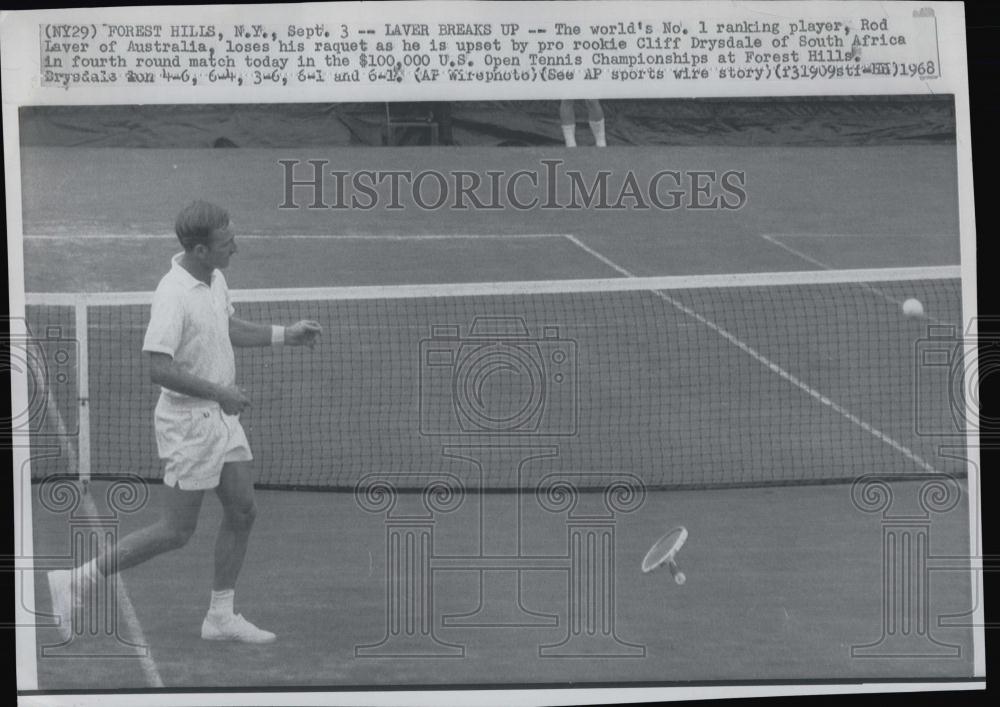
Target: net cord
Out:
[80,453]
[530,287]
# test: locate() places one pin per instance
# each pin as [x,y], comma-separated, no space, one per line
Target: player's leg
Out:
[595,115]
[594,110]
[176,525]
[239,509]
[567,119]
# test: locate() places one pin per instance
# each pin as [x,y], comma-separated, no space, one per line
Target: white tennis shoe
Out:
[233,628]
[63,601]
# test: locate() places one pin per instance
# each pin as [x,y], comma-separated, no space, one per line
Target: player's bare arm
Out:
[245,334]
[165,372]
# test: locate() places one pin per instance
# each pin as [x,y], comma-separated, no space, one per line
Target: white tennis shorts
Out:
[195,441]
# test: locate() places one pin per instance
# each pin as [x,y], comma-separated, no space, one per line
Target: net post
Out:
[83,392]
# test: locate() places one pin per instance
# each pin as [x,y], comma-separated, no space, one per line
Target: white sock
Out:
[569,135]
[597,127]
[222,602]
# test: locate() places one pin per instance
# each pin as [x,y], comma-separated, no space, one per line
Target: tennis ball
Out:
[913,308]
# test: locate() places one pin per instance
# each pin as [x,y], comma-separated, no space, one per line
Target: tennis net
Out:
[698,381]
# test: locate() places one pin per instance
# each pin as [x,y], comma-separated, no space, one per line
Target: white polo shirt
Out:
[190,322]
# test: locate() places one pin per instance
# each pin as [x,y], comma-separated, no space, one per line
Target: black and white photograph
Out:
[574,391]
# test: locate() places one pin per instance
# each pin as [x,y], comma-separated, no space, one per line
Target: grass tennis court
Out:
[781,581]
[904,193]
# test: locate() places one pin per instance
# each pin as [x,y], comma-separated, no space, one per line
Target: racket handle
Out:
[675,571]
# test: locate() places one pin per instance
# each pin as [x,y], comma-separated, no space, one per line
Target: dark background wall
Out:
[881,120]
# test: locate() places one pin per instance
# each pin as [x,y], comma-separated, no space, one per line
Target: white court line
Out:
[132,625]
[300,236]
[794,251]
[607,261]
[773,240]
[771,365]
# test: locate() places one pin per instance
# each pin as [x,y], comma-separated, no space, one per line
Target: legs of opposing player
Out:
[594,110]
[595,115]
[567,119]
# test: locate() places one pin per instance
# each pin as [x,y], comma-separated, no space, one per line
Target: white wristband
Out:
[277,335]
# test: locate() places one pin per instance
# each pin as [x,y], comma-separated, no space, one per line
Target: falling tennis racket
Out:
[664,551]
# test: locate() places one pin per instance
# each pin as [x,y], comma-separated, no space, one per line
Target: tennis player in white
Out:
[190,342]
